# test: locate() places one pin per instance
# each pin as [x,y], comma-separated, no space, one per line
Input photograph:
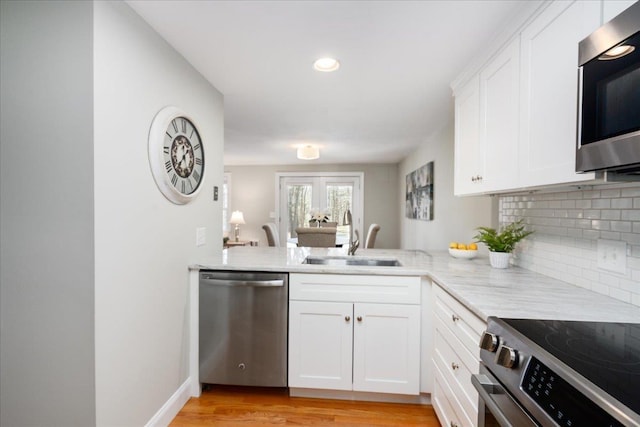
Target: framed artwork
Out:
[419,196]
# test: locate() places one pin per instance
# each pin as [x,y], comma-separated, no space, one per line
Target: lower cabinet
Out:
[352,345]
[456,357]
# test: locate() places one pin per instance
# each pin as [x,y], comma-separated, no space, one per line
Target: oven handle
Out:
[516,416]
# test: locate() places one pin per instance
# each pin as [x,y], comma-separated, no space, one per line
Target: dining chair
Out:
[316,237]
[323,224]
[272,234]
[371,236]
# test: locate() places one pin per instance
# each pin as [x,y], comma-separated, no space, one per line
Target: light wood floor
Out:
[253,406]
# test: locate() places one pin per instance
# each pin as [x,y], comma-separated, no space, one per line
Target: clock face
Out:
[176,155]
[183,155]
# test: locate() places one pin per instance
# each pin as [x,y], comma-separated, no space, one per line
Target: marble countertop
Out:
[509,293]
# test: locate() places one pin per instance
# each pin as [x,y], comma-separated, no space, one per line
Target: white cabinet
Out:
[469,167]
[549,81]
[486,126]
[456,357]
[612,8]
[499,118]
[337,342]
[515,117]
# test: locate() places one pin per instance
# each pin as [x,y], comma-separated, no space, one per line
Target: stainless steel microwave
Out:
[609,96]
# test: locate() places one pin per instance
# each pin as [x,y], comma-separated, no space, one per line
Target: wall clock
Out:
[176,155]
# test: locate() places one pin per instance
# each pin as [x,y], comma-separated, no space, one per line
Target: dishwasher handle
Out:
[248,283]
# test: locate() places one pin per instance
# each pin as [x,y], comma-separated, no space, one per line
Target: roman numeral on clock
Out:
[196,147]
[198,161]
[196,175]
[166,149]
[184,126]
[175,125]
[174,179]
[168,165]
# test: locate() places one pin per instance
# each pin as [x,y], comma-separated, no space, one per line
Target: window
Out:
[334,193]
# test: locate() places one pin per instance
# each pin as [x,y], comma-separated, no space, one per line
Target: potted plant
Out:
[501,243]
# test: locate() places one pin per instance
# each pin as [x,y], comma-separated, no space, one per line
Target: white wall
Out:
[455,218]
[253,193]
[144,242]
[46,215]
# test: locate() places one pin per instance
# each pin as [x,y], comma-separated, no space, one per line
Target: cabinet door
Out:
[468,166]
[320,345]
[386,348]
[612,8]
[548,87]
[499,92]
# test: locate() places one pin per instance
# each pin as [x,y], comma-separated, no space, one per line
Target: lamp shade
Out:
[308,152]
[236,218]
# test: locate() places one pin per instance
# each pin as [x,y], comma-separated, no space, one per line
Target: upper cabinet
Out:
[486,115]
[524,96]
[548,89]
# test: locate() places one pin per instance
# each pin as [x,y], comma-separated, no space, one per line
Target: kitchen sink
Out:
[350,260]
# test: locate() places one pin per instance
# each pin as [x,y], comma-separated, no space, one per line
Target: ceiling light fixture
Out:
[617,52]
[308,152]
[326,64]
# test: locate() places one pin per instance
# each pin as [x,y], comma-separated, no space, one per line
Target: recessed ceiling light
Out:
[326,64]
[617,52]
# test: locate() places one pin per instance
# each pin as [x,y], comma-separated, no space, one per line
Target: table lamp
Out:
[236,219]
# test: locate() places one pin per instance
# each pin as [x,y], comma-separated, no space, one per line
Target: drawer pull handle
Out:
[359,318]
[452,424]
[454,366]
[454,318]
[347,318]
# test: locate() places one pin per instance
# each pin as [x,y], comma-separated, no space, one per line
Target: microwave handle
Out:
[508,413]
[579,110]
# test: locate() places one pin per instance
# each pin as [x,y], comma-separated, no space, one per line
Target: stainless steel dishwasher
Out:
[243,328]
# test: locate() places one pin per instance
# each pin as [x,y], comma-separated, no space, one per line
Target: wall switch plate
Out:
[201,236]
[612,255]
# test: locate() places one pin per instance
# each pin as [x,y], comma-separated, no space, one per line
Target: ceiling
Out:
[391,92]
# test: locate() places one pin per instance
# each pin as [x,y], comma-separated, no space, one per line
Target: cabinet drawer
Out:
[462,323]
[446,404]
[457,374]
[354,288]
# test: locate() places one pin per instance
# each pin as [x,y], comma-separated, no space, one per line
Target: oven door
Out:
[496,407]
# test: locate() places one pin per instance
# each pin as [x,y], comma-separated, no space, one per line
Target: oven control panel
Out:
[560,400]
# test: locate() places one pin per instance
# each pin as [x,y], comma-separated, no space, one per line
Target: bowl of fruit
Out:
[463,250]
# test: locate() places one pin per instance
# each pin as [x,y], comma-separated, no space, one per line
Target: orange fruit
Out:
[462,246]
[472,246]
[453,245]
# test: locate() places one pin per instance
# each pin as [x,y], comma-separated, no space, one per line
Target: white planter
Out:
[499,259]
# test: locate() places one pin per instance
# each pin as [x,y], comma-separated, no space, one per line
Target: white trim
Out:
[172,407]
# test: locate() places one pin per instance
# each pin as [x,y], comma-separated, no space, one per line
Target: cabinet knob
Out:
[241,366]
[452,424]
[454,366]
[359,318]
[347,318]
[454,318]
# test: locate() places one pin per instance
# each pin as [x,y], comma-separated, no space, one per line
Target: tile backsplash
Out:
[568,225]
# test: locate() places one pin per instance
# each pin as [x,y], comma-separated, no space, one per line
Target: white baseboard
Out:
[170,409]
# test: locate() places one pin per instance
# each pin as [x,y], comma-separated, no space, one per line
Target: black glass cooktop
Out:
[607,354]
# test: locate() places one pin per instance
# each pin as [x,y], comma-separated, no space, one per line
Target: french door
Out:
[298,195]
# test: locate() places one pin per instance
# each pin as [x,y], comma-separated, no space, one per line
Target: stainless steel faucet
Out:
[353,244]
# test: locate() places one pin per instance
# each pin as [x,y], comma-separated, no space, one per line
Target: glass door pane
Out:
[298,209]
[339,199]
